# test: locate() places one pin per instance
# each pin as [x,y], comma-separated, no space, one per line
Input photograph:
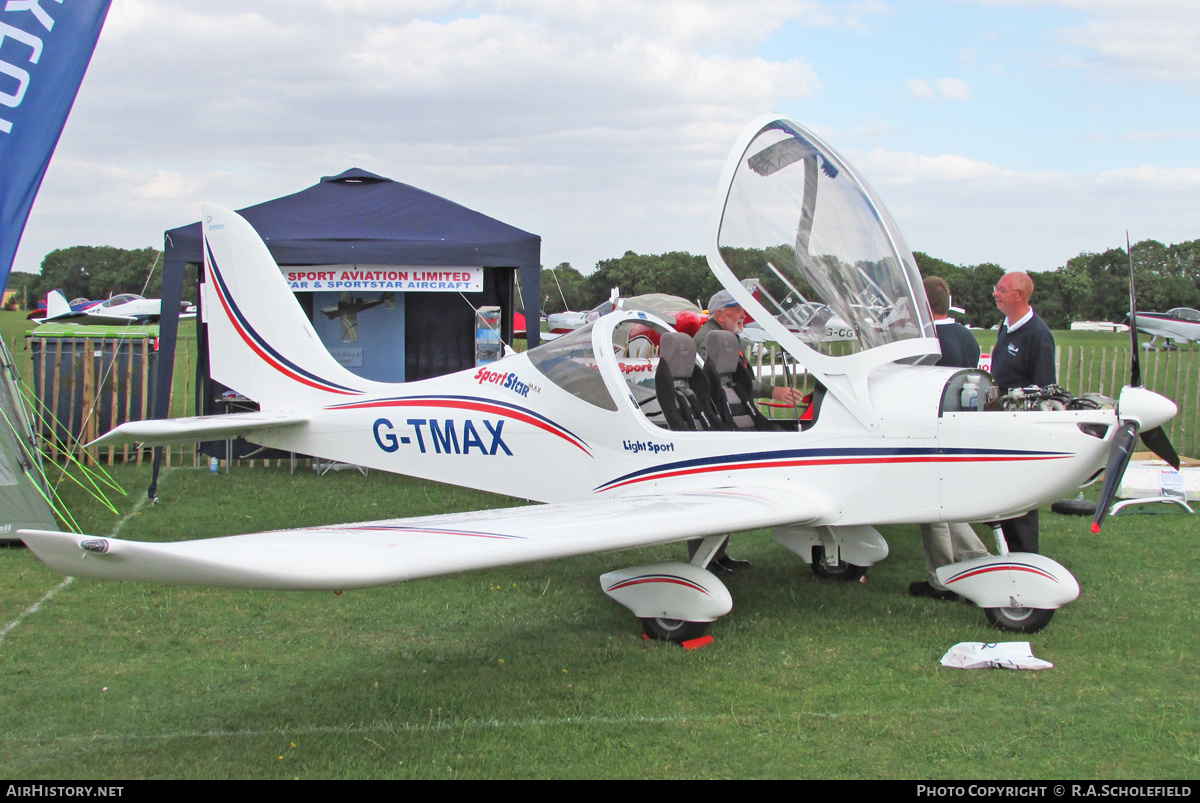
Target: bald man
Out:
[1023,356]
[1024,352]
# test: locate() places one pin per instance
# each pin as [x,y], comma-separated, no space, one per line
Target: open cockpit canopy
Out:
[802,233]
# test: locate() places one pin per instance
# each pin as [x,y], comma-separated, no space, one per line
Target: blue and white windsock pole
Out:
[45,47]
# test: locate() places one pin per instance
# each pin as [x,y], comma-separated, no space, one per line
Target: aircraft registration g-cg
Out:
[667,452]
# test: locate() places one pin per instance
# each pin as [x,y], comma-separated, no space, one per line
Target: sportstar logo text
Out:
[441,436]
[646,367]
[507,380]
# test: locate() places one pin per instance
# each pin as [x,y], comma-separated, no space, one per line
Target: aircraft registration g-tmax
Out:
[649,451]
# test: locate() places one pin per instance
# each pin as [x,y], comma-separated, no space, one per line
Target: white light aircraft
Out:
[1180,325]
[663,453]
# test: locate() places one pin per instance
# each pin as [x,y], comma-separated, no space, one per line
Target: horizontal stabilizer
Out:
[383,552]
[164,431]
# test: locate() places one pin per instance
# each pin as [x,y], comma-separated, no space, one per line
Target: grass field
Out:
[530,672]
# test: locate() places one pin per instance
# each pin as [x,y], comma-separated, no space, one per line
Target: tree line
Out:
[92,272]
[1090,287]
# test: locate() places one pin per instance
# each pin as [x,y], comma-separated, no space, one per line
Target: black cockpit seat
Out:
[731,382]
[683,391]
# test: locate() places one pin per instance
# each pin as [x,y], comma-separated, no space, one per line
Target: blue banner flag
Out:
[45,47]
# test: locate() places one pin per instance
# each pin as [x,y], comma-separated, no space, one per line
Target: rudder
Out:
[261,344]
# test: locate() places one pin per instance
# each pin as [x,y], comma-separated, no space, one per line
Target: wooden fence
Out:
[84,386]
[1175,374]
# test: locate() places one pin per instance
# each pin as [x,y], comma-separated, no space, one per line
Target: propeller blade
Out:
[1135,362]
[1156,440]
[1118,459]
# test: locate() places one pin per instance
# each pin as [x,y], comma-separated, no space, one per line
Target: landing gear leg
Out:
[701,551]
[838,571]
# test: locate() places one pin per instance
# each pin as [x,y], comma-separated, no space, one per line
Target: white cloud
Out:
[949,88]
[919,89]
[911,168]
[1155,41]
[954,88]
[1150,179]
[599,124]
[857,13]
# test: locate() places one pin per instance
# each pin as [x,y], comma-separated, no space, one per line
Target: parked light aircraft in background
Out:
[1180,325]
[658,454]
[684,313]
[126,308]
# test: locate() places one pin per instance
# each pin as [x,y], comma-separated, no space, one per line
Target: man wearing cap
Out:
[726,313]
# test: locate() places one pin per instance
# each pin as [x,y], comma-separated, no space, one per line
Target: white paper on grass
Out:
[1171,482]
[1003,655]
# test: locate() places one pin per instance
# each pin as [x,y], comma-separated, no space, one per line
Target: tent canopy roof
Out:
[360,217]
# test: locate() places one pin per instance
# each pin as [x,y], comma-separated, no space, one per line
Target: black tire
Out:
[676,631]
[1074,507]
[1019,620]
[842,571]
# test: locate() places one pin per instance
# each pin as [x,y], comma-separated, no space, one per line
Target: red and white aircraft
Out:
[660,454]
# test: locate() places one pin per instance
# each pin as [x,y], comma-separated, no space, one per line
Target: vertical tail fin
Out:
[57,305]
[261,344]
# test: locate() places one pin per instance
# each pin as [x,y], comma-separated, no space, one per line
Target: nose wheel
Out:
[1019,620]
[673,630]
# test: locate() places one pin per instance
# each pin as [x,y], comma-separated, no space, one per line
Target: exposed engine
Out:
[1050,397]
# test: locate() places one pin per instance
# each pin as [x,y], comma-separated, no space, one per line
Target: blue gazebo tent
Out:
[358,217]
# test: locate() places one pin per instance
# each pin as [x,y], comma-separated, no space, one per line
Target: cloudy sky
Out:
[1020,132]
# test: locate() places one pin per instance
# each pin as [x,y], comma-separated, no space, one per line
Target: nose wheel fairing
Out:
[1020,580]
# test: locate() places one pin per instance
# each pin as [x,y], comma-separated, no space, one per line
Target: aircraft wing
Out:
[383,552]
[163,431]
